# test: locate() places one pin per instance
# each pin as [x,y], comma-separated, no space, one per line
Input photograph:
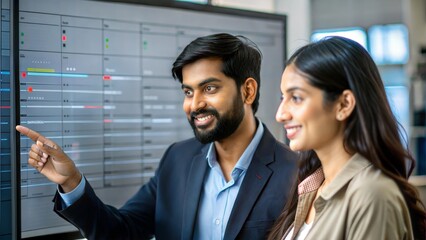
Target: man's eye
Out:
[210,88]
[187,93]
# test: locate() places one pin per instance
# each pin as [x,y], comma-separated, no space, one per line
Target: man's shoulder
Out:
[190,142]
[275,154]
[182,153]
[189,146]
[272,144]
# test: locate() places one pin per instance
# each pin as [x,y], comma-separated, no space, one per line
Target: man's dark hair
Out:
[241,58]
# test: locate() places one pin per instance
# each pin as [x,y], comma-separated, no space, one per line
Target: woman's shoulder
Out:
[372,185]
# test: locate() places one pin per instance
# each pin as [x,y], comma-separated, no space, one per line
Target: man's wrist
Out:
[72,182]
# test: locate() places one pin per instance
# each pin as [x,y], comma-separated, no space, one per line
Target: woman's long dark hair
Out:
[334,65]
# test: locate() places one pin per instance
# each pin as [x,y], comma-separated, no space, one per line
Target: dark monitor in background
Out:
[95,77]
[389,44]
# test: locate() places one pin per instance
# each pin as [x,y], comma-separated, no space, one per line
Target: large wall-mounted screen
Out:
[95,77]
[6,213]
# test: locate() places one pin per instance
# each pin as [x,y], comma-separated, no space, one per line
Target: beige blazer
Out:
[360,203]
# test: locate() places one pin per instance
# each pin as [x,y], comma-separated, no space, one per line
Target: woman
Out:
[352,181]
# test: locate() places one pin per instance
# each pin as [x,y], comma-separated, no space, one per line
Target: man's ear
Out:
[249,90]
[345,105]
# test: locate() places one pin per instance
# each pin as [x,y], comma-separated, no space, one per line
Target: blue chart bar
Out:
[57,74]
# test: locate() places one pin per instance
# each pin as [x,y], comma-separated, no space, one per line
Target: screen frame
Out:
[14,119]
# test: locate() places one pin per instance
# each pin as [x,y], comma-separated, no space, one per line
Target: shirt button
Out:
[217,221]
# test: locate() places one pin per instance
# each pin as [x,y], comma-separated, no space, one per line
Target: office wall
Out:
[363,13]
[298,22]
[256,5]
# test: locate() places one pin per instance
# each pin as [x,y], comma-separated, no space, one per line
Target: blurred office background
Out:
[393,31]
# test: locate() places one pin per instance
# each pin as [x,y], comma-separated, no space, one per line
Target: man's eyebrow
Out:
[202,83]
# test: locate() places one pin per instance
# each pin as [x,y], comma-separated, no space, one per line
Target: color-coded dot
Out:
[30,89]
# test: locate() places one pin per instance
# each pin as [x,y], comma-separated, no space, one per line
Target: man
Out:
[230,182]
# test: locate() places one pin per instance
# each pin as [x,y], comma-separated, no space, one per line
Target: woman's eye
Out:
[296,99]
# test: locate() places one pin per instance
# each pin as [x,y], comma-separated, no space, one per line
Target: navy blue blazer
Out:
[166,207]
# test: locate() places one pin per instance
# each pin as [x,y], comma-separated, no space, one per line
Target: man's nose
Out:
[198,102]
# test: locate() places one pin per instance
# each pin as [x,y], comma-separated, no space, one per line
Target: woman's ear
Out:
[346,105]
[249,90]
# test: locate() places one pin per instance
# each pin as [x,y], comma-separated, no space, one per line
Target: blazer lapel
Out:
[255,180]
[194,184]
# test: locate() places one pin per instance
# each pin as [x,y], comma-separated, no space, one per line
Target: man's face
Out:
[213,104]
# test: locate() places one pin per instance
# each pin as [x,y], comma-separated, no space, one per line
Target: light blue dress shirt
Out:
[217,198]
[71,197]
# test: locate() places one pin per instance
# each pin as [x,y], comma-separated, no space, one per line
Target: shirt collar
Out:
[355,164]
[312,182]
[247,155]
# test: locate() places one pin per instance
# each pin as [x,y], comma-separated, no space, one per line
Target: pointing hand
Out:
[51,161]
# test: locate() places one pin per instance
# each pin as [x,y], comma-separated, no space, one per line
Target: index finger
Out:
[33,135]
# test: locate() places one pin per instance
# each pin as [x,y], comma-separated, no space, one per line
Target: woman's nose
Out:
[282,113]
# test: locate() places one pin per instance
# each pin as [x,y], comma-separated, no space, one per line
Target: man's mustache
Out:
[204,111]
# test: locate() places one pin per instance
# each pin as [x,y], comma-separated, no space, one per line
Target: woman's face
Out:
[309,124]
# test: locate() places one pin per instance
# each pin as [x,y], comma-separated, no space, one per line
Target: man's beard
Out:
[225,124]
